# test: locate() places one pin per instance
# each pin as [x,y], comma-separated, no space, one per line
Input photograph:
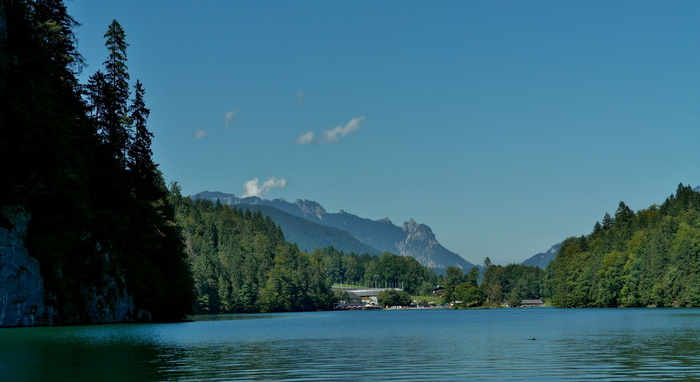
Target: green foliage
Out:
[241,262]
[513,298]
[393,297]
[385,271]
[651,258]
[462,290]
[513,283]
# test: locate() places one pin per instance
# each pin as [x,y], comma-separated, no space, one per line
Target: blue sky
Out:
[504,126]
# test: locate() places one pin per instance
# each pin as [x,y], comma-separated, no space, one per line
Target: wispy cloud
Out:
[305,138]
[254,188]
[337,133]
[300,97]
[228,118]
[199,134]
[334,135]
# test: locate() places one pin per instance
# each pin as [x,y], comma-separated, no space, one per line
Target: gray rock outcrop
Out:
[21,283]
[420,243]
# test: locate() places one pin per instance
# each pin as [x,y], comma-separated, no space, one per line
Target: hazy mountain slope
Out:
[309,235]
[541,260]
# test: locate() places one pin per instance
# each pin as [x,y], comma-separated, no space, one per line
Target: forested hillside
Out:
[77,167]
[648,258]
[241,262]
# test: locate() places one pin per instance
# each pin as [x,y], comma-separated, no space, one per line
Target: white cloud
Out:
[228,118]
[253,187]
[334,135]
[199,134]
[300,97]
[305,138]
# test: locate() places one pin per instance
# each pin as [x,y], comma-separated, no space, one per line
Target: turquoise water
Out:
[569,344]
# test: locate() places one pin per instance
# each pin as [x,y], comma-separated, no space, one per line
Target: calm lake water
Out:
[420,345]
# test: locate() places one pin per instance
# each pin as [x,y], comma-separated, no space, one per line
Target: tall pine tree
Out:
[109,95]
[143,170]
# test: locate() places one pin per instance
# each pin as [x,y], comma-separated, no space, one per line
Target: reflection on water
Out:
[590,344]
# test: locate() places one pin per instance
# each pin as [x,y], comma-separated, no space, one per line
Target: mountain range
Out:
[307,224]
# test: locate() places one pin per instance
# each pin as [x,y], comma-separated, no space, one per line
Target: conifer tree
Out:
[109,95]
[141,165]
[55,27]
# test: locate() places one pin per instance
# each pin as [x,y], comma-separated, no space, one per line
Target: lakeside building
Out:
[531,303]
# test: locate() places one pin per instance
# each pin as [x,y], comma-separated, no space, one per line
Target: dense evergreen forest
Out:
[241,262]
[77,160]
[648,258]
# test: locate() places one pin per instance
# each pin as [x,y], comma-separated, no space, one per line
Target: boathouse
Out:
[531,303]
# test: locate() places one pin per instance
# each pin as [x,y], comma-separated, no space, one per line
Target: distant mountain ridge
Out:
[541,260]
[308,235]
[411,239]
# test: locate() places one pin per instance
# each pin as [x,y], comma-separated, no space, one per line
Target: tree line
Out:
[630,259]
[385,271]
[647,258]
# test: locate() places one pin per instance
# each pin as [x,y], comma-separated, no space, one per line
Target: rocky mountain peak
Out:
[311,208]
[418,231]
[386,221]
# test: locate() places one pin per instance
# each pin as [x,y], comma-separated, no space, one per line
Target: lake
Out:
[531,344]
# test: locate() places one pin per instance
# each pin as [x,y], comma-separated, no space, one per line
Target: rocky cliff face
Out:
[21,284]
[22,293]
[110,303]
[311,210]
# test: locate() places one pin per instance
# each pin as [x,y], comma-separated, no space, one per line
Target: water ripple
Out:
[446,345]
